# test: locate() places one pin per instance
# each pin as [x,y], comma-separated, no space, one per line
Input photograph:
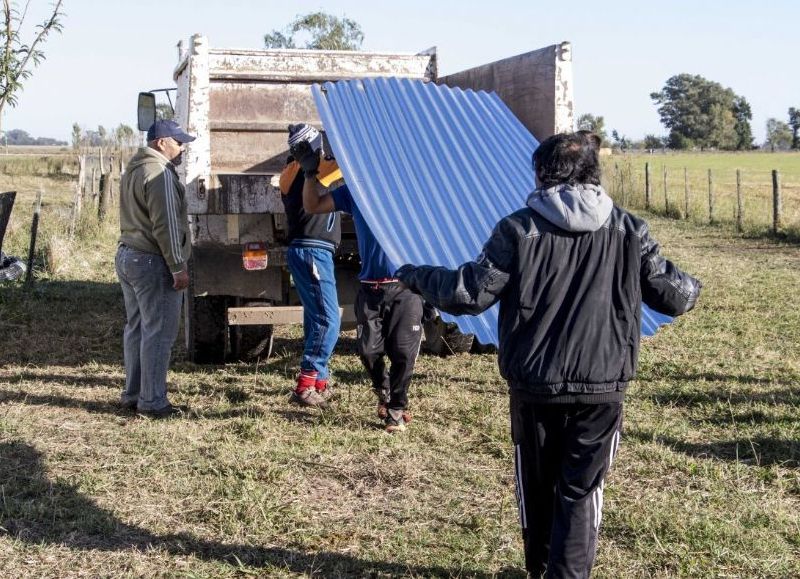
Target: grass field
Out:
[707,482]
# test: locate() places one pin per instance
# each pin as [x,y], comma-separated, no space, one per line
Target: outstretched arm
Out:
[665,288]
[472,288]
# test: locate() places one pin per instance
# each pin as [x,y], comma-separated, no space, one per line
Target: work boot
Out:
[383,402]
[396,420]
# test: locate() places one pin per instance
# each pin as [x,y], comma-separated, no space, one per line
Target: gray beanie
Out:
[303,132]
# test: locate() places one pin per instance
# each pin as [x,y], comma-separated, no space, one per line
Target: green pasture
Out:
[706,484]
[624,178]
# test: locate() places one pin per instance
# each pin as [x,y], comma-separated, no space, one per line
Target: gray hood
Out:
[576,208]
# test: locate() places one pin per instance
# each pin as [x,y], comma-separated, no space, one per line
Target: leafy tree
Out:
[620,142]
[589,122]
[321,31]
[20,137]
[743,115]
[77,136]
[779,135]
[653,142]
[794,122]
[124,136]
[19,57]
[164,111]
[703,113]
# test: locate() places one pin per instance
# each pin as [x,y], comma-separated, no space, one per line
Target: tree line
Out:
[703,114]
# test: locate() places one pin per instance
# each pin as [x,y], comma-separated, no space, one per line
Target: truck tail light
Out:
[254,256]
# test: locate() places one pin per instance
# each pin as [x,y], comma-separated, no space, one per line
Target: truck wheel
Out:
[206,332]
[443,338]
[251,342]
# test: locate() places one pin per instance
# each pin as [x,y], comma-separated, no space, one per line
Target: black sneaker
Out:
[168,411]
[128,405]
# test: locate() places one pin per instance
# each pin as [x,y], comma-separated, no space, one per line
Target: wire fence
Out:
[754,201]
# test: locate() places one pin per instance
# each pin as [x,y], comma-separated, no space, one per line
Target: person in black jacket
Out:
[570,271]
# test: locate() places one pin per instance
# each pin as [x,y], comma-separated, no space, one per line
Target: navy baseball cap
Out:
[164,128]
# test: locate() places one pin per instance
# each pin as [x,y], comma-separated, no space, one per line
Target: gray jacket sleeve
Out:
[472,288]
[665,288]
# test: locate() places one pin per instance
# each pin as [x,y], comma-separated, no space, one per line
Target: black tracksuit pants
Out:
[562,453]
[389,323]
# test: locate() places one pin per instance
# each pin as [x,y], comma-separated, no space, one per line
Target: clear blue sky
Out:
[622,50]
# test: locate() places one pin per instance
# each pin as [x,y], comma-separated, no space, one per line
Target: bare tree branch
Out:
[18,59]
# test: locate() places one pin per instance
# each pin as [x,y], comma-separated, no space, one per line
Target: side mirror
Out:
[146,110]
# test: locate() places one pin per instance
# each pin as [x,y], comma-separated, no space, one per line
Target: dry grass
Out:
[707,483]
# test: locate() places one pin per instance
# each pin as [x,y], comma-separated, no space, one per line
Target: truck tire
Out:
[206,331]
[251,342]
[443,338]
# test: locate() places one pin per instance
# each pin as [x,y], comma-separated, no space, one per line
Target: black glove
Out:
[307,157]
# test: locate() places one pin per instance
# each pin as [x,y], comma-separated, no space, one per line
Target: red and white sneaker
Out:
[309,397]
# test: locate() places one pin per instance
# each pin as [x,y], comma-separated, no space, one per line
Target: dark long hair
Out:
[568,159]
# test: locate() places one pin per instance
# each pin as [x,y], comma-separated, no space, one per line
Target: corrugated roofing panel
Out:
[432,169]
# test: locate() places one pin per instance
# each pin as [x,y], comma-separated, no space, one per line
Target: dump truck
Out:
[239,104]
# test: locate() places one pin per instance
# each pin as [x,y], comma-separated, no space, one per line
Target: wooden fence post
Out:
[34,233]
[666,194]
[94,185]
[710,197]
[82,174]
[739,204]
[105,196]
[622,186]
[77,209]
[112,176]
[6,205]
[776,201]
[647,186]
[686,191]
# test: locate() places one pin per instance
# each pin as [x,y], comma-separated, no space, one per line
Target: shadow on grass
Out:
[93,406]
[788,396]
[112,408]
[655,373]
[61,323]
[40,511]
[81,381]
[757,451]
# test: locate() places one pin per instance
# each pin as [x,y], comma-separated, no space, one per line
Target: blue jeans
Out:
[312,271]
[153,310]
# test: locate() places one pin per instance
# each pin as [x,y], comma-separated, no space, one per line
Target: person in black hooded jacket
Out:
[570,271]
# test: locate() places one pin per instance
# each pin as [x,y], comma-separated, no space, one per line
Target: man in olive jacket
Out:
[151,264]
[570,271]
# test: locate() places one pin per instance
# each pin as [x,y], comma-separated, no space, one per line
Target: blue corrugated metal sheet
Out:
[432,169]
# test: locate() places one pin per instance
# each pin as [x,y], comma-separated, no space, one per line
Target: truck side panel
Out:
[536,86]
